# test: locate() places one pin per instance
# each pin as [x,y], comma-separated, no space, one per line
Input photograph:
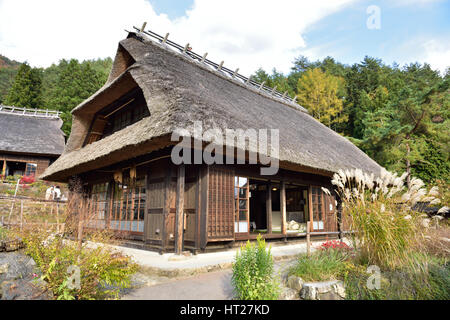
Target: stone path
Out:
[206,286]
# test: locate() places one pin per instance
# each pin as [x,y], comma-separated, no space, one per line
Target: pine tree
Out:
[26,91]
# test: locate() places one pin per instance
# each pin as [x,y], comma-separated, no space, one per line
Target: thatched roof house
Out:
[29,141]
[177,90]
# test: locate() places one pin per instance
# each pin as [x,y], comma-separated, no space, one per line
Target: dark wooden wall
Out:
[41,162]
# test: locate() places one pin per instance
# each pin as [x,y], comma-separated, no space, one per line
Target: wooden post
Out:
[80,225]
[308,238]
[269,207]
[14,200]
[21,215]
[340,223]
[166,210]
[4,169]
[57,217]
[179,215]
[310,207]
[283,207]
[204,204]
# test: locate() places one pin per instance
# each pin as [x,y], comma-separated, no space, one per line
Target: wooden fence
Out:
[25,212]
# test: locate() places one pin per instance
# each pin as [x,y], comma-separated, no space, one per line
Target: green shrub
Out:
[322,265]
[3,233]
[103,272]
[252,273]
[430,282]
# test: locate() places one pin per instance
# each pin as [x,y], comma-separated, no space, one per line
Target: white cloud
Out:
[437,54]
[44,31]
[246,34]
[424,48]
[413,2]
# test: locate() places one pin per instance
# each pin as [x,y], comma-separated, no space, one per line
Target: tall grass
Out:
[386,229]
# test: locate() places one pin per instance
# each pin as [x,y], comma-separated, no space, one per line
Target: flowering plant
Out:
[27,179]
[334,244]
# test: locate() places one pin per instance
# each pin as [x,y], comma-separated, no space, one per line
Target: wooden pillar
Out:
[283,207]
[198,207]
[310,207]
[204,207]
[179,215]
[4,169]
[269,207]
[308,238]
[166,209]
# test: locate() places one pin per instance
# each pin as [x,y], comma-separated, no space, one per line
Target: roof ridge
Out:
[28,112]
[217,69]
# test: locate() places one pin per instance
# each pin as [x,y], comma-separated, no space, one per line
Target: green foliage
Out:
[252,273]
[26,91]
[60,87]
[103,271]
[71,82]
[322,265]
[8,71]
[393,114]
[3,233]
[429,282]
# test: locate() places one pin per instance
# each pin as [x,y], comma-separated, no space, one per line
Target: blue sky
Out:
[402,38]
[246,34]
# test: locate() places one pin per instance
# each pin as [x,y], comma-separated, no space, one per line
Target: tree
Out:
[26,91]
[318,92]
[72,82]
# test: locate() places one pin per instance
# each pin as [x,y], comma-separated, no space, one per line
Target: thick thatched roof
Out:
[180,91]
[30,134]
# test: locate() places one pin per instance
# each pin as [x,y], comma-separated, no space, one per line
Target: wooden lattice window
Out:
[221,204]
[317,208]
[99,196]
[128,205]
[241,196]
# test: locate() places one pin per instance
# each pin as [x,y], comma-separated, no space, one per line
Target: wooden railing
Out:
[41,113]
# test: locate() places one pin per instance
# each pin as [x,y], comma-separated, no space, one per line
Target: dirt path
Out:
[207,286]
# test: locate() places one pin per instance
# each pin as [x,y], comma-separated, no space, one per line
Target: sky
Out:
[246,34]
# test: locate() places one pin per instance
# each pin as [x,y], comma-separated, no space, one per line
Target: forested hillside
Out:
[398,115]
[60,87]
[8,70]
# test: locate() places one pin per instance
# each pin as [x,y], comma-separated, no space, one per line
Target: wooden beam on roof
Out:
[143,26]
[179,215]
[165,38]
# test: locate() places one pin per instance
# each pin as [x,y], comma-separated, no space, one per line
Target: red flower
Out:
[334,244]
[27,179]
